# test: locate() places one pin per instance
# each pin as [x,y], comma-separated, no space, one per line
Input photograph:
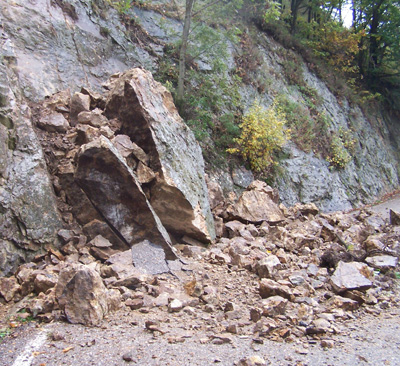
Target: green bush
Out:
[341,149]
[263,132]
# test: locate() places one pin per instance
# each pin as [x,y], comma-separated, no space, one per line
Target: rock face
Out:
[29,219]
[148,115]
[113,189]
[100,44]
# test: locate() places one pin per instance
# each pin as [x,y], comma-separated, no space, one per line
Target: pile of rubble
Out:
[297,273]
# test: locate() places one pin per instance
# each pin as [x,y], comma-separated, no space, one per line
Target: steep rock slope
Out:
[76,43]
[29,218]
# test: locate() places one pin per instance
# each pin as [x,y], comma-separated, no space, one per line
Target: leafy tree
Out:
[199,12]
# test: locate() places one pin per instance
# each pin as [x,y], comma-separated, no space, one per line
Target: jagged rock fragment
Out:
[273,306]
[179,195]
[54,122]
[84,297]
[383,262]
[79,103]
[351,276]
[115,192]
[93,118]
[256,205]
[8,287]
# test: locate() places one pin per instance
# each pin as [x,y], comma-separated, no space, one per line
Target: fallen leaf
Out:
[65,350]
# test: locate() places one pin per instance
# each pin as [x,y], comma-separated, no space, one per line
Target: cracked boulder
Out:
[113,189]
[178,194]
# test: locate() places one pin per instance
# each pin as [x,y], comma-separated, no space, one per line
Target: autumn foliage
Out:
[263,132]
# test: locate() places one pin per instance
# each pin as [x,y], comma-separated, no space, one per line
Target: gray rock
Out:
[100,242]
[351,276]
[149,257]
[115,192]
[179,196]
[29,218]
[242,177]
[382,262]
[55,122]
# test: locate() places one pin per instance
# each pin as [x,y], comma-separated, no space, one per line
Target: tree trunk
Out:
[294,8]
[183,50]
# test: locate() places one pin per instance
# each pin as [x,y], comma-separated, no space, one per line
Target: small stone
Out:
[66,235]
[252,361]
[344,303]
[221,339]
[271,288]
[175,306]
[45,281]
[267,267]
[234,227]
[296,280]
[351,276]
[274,305]
[57,336]
[394,218]
[100,242]
[79,103]
[232,328]
[327,343]
[144,173]
[93,118]
[255,314]
[134,304]
[284,333]
[128,357]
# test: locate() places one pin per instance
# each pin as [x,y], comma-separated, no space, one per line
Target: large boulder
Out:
[149,117]
[84,296]
[256,204]
[113,189]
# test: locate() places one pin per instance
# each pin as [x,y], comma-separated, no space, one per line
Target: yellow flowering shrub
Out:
[341,149]
[339,156]
[262,133]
